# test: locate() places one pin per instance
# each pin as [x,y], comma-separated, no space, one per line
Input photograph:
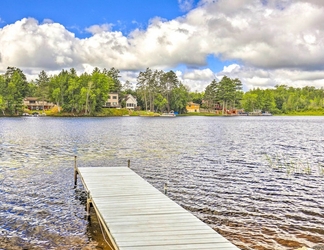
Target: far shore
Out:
[129,113]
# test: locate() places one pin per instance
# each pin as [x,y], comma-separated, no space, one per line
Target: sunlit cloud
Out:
[96,29]
[272,42]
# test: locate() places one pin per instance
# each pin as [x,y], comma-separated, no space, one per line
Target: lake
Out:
[258,181]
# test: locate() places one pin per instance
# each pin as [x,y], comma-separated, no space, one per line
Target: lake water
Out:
[258,181]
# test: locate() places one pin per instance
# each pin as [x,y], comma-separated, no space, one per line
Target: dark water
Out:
[258,181]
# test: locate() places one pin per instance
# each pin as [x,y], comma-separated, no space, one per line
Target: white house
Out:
[131,102]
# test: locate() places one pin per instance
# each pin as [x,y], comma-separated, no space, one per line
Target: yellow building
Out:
[192,107]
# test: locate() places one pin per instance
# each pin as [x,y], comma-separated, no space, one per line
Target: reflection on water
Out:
[255,180]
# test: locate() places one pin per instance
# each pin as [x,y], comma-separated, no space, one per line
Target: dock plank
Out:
[137,216]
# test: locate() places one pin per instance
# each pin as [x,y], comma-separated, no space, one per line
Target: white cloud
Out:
[231,68]
[272,42]
[186,5]
[46,20]
[96,29]
[204,74]
[197,80]
[28,44]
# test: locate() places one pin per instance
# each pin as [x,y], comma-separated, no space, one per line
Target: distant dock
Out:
[136,216]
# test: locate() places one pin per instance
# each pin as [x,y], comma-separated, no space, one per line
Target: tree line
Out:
[155,90]
[284,100]
[228,94]
[86,93]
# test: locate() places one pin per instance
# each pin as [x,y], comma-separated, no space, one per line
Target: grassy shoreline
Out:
[126,112]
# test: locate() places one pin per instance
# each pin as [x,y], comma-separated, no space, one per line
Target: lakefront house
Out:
[34,103]
[193,107]
[113,101]
[131,102]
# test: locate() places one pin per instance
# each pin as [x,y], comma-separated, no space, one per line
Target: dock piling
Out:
[88,204]
[75,171]
[165,189]
[128,163]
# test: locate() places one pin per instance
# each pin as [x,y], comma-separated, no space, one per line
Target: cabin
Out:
[112,101]
[131,102]
[35,103]
[217,107]
[193,107]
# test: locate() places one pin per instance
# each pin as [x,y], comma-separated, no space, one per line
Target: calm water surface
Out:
[258,181]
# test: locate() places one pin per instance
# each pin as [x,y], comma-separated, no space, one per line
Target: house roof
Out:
[129,96]
[31,99]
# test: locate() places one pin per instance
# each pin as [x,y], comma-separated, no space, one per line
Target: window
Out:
[114,97]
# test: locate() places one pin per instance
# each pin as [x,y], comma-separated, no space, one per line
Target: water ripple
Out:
[257,181]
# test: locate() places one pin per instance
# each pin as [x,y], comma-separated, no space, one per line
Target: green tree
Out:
[58,86]
[281,96]
[56,96]
[179,98]
[2,86]
[90,100]
[101,87]
[73,91]
[32,89]
[143,83]
[196,97]
[15,89]
[210,96]
[169,82]
[114,74]
[83,97]
[228,91]
[2,105]
[42,83]
[160,102]
[249,101]
[269,103]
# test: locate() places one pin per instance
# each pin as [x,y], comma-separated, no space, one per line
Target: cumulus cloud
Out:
[197,80]
[28,44]
[272,41]
[205,74]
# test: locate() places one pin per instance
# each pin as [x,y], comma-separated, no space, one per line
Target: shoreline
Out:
[158,115]
[130,113]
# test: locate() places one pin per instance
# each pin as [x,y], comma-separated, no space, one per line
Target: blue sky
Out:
[125,15]
[263,43]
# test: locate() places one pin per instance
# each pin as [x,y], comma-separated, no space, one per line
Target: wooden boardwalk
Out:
[136,216]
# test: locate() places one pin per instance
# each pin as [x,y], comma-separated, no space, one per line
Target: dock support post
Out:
[129,163]
[165,189]
[88,205]
[75,171]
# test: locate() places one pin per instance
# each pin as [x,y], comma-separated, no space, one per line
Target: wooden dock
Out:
[136,216]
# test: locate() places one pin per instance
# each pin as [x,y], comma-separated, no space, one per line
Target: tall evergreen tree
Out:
[42,83]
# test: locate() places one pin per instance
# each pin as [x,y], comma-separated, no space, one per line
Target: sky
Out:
[264,43]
